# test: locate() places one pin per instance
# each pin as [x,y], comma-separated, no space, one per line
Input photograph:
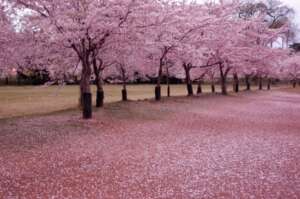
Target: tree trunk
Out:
[248,84]
[168,84]
[294,84]
[85,88]
[157,93]
[124,92]
[98,81]
[260,83]
[269,84]
[124,95]
[100,92]
[100,98]
[199,89]
[224,86]
[223,76]
[213,87]
[169,91]
[236,86]
[158,87]
[87,105]
[190,89]
[188,81]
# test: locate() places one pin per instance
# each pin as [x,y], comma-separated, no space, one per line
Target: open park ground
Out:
[16,101]
[212,146]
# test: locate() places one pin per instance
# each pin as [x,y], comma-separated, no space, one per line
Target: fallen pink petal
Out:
[244,147]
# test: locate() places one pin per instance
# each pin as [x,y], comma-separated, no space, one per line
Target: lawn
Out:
[29,100]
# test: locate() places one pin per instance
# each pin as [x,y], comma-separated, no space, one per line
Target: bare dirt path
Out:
[245,146]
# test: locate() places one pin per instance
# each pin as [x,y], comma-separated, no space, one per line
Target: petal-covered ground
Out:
[245,146]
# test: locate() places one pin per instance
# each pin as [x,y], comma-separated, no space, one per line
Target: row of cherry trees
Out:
[117,38]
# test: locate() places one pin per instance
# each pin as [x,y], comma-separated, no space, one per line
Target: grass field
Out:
[16,101]
[29,100]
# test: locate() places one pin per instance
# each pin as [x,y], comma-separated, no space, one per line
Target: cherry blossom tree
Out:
[291,69]
[168,69]
[160,42]
[222,39]
[191,42]
[114,39]
[178,24]
[7,39]
[202,72]
[81,26]
[211,73]
[126,60]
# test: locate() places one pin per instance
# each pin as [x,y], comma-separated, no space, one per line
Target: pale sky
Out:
[295,4]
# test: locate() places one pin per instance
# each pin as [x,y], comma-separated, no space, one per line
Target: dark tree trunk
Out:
[224,86]
[213,87]
[294,84]
[168,84]
[190,89]
[98,81]
[6,81]
[248,84]
[85,88]
[269,84]
[100,98]
[158,87]
[100,92]
[260,83]
[75,79]
[188,81]
[124,95]
[223,76]
[236,86]
[87,105]
[199,88]
[124,92]
[157,93]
